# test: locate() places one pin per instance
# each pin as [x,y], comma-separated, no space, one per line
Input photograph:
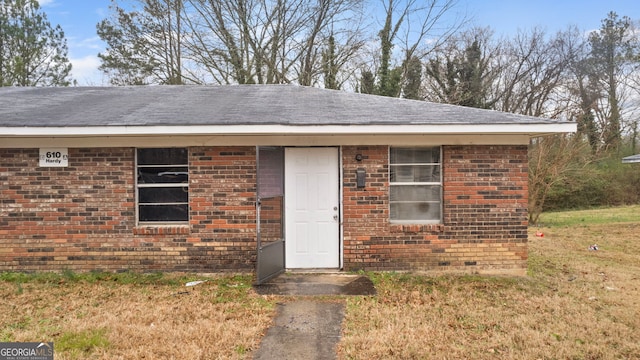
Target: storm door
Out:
[270,212]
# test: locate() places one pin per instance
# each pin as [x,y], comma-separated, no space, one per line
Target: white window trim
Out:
[404,183]
[164,185]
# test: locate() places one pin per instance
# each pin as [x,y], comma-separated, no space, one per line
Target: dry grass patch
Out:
[134,316]
[575,304]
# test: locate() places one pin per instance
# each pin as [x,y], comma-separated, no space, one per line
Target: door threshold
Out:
[314,271]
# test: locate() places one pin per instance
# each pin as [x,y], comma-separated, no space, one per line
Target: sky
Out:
[78,19]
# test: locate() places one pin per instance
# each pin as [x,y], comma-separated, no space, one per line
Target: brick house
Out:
[266,177]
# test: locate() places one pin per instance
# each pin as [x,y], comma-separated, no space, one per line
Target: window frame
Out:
[167,185]
[426,184]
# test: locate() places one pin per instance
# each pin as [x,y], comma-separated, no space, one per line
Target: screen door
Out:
[270,213]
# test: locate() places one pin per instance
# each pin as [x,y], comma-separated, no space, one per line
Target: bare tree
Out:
[271,41]
[535,74]
[407,25]
[465,69]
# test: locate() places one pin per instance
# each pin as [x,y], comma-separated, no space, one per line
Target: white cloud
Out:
[85,71]
[83,56]
[92,43]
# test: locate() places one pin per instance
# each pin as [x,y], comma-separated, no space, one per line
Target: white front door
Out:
[312,208]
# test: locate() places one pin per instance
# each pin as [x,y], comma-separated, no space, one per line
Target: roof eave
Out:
[532,130]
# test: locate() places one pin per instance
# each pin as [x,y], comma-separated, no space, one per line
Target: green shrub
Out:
[607,182]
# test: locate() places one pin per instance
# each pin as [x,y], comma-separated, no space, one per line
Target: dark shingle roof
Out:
[223,105]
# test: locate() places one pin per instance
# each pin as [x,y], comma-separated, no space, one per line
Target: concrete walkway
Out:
[303,330]
[307,328]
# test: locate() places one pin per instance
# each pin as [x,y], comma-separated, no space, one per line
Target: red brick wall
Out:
[271,219]
[223,213]
[484,214]
[82,217]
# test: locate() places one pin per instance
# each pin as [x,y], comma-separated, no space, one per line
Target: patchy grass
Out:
[623,214]
[134,316]
[80,344]
[574,304]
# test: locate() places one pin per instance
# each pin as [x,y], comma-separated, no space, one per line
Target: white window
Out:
[415,185]
[162,186]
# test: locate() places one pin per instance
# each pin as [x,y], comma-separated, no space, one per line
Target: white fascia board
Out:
[311,130]
[260,140]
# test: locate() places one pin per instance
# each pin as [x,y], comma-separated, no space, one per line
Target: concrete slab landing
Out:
[312,284]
